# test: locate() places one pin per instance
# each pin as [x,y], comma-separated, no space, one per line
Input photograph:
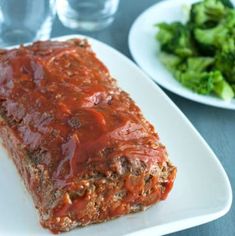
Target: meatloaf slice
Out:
[81,145]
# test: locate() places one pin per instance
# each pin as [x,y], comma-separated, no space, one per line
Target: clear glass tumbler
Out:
[24,21]
[87,15]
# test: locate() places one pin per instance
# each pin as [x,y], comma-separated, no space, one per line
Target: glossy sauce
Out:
[64,102]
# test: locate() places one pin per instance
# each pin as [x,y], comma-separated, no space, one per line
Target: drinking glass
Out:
[25,20]
[87,15]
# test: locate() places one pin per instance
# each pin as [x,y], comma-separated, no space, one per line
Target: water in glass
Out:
[25,20]
[87,15]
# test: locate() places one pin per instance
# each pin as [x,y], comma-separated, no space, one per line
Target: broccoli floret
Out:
[229,19]
[196,75]
[192,72]
[200,78]
[166,32]
[207,13]
[206,83]
[228,47]
[225,62]
[223,90]
[169,60]
[175,38]
[202,83]
[199,64]
[217,36]
[212,37]
[233,87]
[227,3]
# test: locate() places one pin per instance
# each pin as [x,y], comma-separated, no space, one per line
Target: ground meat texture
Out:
[81,145]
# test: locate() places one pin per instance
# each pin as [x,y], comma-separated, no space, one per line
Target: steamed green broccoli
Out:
[211,37]
[201,53]
[199,64]
[202,83]
[233,87]
[201,79]
[217,36]
[206,83]
[196,64]
[224,90]
[171,61]
[207,13]
[175,38]
[195,74]
[227,3]
[225,62]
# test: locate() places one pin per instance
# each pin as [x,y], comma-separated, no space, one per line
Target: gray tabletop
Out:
[216,125]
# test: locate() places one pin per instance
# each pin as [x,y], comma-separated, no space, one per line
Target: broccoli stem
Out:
[223,90]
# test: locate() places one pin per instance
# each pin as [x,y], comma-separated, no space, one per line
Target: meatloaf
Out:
[82,146]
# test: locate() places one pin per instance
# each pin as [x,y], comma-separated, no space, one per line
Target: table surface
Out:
[216,125]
